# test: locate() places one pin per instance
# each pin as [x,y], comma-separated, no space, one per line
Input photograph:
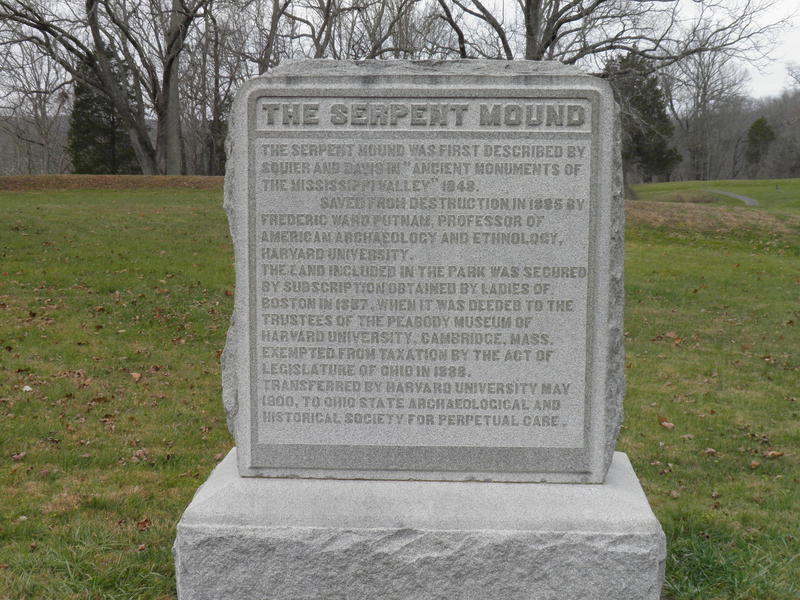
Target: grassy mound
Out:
[773,195]
[677,215]
[25,183]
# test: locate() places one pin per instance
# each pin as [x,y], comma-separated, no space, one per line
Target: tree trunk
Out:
[145,154]
[172,113]
[173,164]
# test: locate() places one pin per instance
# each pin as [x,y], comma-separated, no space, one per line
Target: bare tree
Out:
[148,37]
[348,29]
[34,101]
[783,114]
[663,31]
[705,93]
[793,70]
[255,33]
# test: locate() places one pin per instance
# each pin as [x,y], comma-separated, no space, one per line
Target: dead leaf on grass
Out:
[136,376]
[144,524]
[140,455]
[676,339]
[665,422]
[773,454]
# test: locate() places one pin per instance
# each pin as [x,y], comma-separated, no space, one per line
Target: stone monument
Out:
[426,345]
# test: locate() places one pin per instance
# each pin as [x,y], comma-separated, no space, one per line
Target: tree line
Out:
[130,86]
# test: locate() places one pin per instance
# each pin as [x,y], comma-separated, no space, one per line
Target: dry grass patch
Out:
[24,183]
[61,503]
[707,219]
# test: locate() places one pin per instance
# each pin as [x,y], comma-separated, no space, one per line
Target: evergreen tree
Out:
[759,138]
[646,127]
[98,140]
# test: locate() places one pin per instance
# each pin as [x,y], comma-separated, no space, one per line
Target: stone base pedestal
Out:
[303,539]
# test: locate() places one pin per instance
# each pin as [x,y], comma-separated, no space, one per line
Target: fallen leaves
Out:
[671,336]
[676,339]
[136,376]
[98,400]
[77,375]
[144,524]
[773,454]
[141,455]
[755,464]
[665,423]
[19,456]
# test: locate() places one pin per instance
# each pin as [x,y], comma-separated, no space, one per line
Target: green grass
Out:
[774,195]
[97,289]
[114,306]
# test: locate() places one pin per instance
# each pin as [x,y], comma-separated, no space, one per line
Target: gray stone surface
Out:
[428,272]
[258,539]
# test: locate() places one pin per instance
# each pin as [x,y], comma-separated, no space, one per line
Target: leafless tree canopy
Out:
[183,59]
[34,105]
[148,37]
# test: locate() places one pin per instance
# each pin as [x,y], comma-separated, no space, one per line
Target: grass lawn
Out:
[114,307]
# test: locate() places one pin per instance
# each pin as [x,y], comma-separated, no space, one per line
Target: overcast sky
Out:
[773,80]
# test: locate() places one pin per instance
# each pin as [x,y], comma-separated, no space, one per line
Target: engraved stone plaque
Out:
[429,272]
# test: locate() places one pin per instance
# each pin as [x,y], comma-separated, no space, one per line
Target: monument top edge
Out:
[449,73]
[310,66]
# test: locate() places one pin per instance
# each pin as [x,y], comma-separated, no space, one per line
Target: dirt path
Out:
[745,199]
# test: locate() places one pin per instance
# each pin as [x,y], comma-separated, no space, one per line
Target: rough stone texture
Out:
[352,457]
[284,539]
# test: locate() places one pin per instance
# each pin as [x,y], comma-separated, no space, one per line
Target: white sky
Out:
[772,79]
